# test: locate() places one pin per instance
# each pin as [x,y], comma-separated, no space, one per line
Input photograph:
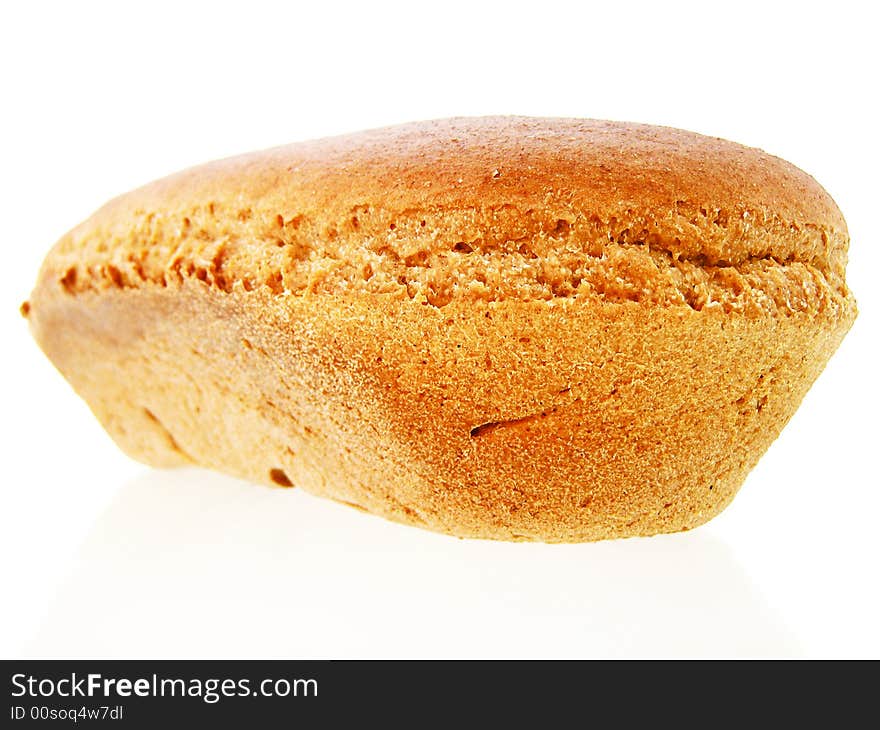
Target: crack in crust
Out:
[486,428]
[508,253]
[169,437]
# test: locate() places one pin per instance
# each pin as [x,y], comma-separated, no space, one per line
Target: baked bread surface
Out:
[512,328]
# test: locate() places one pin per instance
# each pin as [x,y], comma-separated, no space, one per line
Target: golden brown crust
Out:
[569,330]
[483,209]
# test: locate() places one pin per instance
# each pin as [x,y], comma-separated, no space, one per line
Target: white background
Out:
[103,557]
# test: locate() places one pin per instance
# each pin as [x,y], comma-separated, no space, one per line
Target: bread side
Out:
[550,421]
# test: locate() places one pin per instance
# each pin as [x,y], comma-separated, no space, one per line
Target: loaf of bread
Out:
[512,328]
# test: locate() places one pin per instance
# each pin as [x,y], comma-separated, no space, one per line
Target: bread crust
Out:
[569,330]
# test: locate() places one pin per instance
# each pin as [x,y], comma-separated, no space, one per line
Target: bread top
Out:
[486,209]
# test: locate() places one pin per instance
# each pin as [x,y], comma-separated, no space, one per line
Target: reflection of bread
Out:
[513,328]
